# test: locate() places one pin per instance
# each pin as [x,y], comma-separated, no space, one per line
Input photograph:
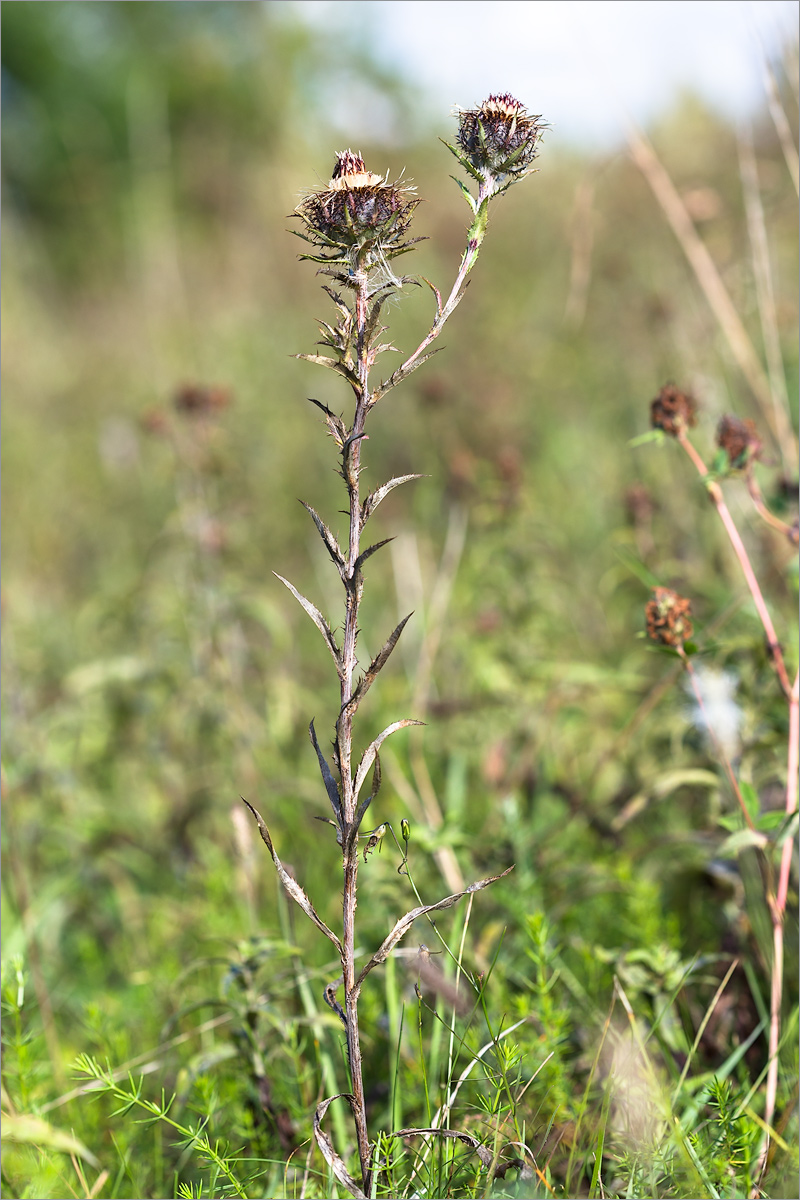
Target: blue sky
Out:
[581,63]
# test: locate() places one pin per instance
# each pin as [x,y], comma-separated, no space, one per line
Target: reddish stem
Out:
[715,492]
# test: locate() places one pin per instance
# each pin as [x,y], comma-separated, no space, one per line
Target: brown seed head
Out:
[673,410]
[356,207]
[200,400]
[668,617]
[500,137]
[739,439]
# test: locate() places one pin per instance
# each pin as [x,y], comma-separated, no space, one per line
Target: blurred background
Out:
[156,437]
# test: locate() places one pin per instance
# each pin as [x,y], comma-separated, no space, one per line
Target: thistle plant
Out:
[668,615]
[356,227]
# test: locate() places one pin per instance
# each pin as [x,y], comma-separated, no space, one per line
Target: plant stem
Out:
[715,492]
[777,908]
[468,260]
[353,585]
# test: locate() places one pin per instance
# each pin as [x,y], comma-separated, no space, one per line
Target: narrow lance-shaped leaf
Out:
[318,619]
[362,558]
[368,757]
[332,364]
[327,776]
[404,924]
[377,664]
[374,498]
[462,158]
[327,536]
[467,194]
[483,1153]
[364,805]
[291,885]
[402,373]
[325,1144]
[336,426]
[435,291]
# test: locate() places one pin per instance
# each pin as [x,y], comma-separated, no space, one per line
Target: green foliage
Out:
[154,670]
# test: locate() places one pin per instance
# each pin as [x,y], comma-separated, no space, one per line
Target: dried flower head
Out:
[499,138]
[673,410]
[739,439]
[357,208]
[668,617]
[201,400]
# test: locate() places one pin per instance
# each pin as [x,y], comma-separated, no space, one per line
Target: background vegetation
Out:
[154,669]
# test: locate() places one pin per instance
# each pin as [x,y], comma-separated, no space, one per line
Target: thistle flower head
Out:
[499,137]
[357,209]
[673,410]
[669,617]
[739,439]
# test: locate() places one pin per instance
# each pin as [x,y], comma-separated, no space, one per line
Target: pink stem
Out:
[715,492]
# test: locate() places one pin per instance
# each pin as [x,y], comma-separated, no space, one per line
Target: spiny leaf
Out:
[333,365]
[466,164]
[372,749]
[362,558]
[467,194]
[327,776]
[291,885]
[435,291]
[378,662]
[402,373]
[478,227]
[374,498]
[327,536]
[402,926]
[336,426]
[318,619]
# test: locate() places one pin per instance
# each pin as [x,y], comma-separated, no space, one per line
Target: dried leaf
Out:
[368,757]
[327,776]
[318,619]
[402,372]
[485,1155]
[329,996]
[376,787]
[291,885]
[404,924]
[336,426]
[435,291]
[332,364]
[378,662]
[374,498]
[325,1144]
[362,558]
[327,536]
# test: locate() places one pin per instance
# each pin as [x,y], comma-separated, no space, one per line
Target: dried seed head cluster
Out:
[673,410]
[201,400]
[739,439]
[357,207]
[500,137]
[668,617]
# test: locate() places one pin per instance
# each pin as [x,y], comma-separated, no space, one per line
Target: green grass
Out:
[154,671]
